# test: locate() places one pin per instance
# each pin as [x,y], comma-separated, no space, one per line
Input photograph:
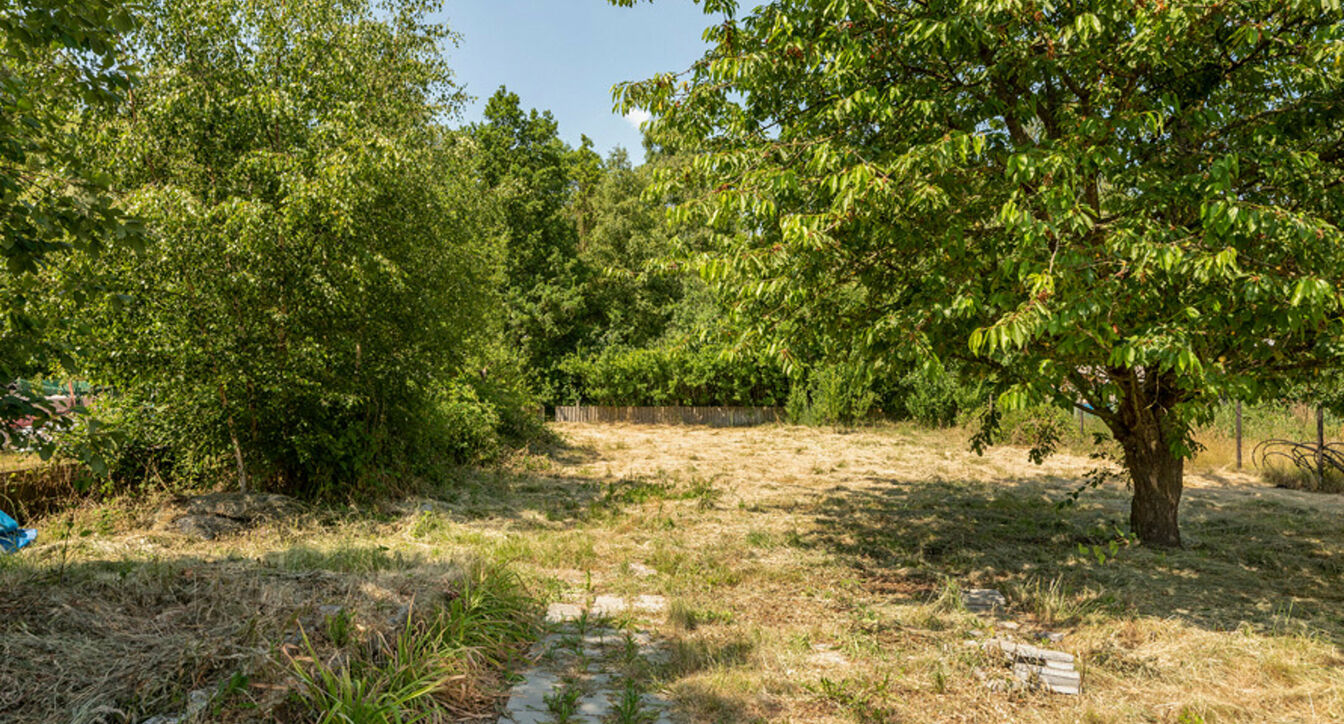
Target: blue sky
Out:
[564,56]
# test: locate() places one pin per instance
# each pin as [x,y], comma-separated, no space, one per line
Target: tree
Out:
[1131,206]
[318,274]
[544,188]
[60,60]
[626,243]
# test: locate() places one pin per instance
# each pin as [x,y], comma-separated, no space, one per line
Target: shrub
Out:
[936,397]
[833,394]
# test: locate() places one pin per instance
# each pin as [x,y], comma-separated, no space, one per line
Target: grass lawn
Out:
[812,576]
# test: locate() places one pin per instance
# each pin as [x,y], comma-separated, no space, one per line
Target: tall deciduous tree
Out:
[544,188]
[1132,206]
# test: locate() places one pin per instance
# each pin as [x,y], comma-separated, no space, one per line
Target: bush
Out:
[834,394]
[322,263]
[936,397]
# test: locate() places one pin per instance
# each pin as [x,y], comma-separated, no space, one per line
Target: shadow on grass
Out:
[1247,560]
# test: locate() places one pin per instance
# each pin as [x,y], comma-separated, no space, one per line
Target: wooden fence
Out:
[711,416]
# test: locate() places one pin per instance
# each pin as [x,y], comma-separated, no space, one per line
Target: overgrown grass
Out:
[822,584]
[315,619]
[437,668]
[1288,476]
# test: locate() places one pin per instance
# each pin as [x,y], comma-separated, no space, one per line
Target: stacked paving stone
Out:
[574,678]
[1031,665]
[1035,666]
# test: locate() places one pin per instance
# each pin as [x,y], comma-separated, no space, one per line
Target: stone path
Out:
[594,665]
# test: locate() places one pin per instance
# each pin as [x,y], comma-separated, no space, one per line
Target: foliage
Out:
[536,176]
[319,273]
[674,376]
[938,397]
[1129,205]
[637,292]
[833,394]
[60,60]
[584,262]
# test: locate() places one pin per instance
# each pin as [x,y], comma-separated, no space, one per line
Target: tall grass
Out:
[437,668]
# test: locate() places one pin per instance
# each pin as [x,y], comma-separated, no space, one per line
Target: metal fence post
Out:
[1238,434]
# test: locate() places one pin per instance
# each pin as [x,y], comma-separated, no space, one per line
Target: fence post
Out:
[1238,434]
[1320,445]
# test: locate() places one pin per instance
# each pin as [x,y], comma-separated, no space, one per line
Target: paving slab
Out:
[651,604]
[527,699]
[1059,681]
[607,606]
[562,612]
[600,678]
[1028,653]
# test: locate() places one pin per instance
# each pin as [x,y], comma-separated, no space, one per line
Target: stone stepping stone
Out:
[650,604]
[1059,681]
[527,699]
[607,606]
[983,600]
[562,612]
[600,646]
[826,655]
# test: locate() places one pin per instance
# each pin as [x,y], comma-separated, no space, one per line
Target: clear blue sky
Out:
[565,55]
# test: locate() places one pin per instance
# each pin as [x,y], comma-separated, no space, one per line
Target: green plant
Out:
[860,699]
[481,624]
[58,210]
[339,628]
[674,375]
[399,690]
[319,282]
[836,394]
[563,703]
[630,709]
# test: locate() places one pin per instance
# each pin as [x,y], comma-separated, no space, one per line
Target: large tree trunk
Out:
[1157,476]
[1144,426]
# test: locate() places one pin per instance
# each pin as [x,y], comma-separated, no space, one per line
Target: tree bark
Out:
[1158,479]
[1144,427]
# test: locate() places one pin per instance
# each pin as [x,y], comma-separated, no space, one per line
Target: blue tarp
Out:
[12,537]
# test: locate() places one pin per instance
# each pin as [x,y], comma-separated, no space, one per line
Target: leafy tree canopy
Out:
[319,274]
[57,60]
[1132,206]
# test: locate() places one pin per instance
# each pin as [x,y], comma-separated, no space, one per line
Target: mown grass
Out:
[819,583]
[812,576]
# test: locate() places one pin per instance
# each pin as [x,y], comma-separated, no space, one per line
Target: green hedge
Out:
[672,376]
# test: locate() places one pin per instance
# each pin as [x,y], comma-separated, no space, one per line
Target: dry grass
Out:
[110,619]
[817,582]
[812,574]
[11,460]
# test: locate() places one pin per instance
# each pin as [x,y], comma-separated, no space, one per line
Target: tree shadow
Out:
[1247,561]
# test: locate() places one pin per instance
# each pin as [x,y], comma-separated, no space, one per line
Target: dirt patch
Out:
[207,517]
